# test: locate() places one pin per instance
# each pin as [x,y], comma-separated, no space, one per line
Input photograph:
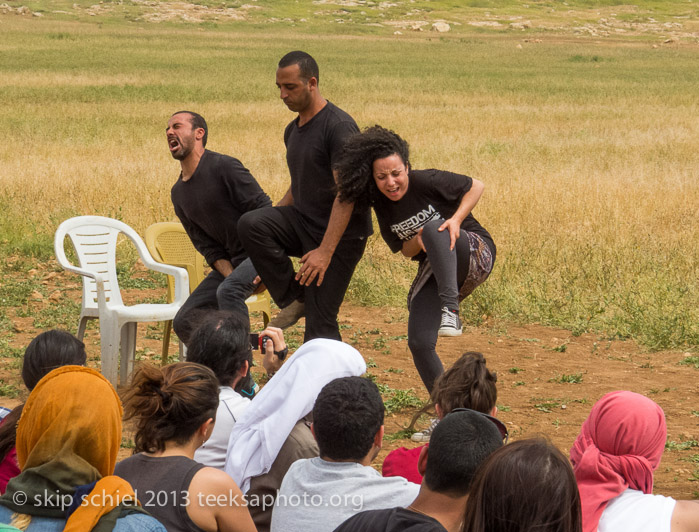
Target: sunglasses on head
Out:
[499,424]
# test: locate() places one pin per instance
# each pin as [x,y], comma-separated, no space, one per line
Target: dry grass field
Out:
[587,146]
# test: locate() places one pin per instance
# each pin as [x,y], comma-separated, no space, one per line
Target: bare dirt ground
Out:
[533,364]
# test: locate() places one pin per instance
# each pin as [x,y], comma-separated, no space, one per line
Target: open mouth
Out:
[174,144]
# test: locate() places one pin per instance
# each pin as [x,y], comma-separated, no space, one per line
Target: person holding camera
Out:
[223,343]
[274,431]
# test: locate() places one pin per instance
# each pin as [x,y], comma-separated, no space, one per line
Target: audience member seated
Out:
[48,351]
[524,486]
[458,446]
[275,431]
[67,451]
[174,409]
[222,344]
[318,494]
[614,457]
[466,384]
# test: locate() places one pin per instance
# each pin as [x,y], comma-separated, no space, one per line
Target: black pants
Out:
[215,293]
[450,269]
[273,234]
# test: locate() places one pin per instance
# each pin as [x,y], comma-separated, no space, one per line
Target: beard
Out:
[182,152]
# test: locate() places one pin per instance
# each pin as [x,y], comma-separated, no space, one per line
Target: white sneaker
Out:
[424,436]
[450,325]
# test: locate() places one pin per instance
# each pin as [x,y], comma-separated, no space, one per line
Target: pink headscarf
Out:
[619,447]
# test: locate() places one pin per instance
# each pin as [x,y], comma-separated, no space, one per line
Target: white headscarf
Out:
[288,396]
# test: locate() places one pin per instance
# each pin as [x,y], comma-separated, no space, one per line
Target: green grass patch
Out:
[681,446]
[573,378]
[396,400]
[690,361]
[8,390]
[7,351]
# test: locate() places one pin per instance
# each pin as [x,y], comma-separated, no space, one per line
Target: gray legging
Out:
[450,269]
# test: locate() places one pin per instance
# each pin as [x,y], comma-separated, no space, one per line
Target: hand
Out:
[313,264]
[454,231]
[259,286]
[274,341]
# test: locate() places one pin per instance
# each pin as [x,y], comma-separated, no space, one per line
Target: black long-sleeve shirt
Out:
[210,203]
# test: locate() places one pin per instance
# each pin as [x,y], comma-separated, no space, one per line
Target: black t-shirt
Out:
[390,520]
[311,151]
[431,194]
[210,203]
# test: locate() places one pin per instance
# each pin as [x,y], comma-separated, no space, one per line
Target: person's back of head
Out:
[460,443]
[466,384]
[222,344]
[347,416]
[619,446]
[526,485]
[46,352]
[170,404]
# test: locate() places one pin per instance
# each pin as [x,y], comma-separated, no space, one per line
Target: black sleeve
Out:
[243,189]
[449,185]
[337,138]
[202,242]
[391,239]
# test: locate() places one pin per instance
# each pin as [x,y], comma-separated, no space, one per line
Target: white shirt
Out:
[230,407]
[317,495]
[636,511]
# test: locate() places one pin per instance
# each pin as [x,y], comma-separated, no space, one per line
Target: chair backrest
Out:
[94,239]
[169,243]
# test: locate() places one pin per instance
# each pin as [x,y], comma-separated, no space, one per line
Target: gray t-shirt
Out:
[317,495]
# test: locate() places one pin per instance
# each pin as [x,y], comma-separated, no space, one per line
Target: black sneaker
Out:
[451,324]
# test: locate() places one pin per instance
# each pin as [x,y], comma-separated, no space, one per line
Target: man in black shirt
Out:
[211,194]
[309,222]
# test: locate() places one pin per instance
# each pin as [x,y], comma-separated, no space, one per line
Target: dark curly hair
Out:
[347,415]
[355,173]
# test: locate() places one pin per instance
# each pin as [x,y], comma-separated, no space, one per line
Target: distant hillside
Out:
[656,20]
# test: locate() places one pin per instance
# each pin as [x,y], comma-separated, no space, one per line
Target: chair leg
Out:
[128,350]
[183,352]
[109,350]
[167,327]
[82,326]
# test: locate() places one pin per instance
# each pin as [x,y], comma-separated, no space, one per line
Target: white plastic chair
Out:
[94,239]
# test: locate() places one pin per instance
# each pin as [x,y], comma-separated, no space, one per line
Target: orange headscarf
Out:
[72,413]
[72,423]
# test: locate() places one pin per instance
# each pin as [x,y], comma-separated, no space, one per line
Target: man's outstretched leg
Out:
[270,237]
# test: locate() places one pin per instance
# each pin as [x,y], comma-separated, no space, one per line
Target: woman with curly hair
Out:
[425,214]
